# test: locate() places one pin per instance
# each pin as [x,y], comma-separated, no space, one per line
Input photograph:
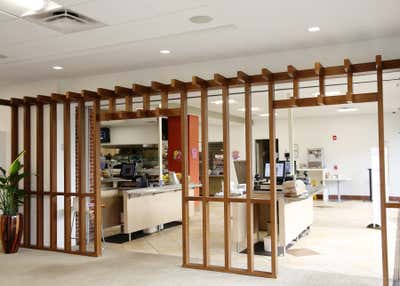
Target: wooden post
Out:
[67,175]
[223,82]
[39,175]
[349,72]
[272,161]
[81,175]
[27,180]
[382,175]
[320,72]
[14,132]
[204,170]
[53,175]
[249,168]
[97,179]
[185,169]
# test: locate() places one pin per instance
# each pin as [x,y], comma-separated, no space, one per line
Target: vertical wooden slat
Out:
[67,175]
[81,165]
[185,182]
[204,176]
[97,177]
[146,101]
[382,174]
[227,170]
[39,175]
[319,70]
[249,176]
[348,70]
[272,187]
[164,99]
[53,175]
[27,180]
[112,104]
[128,103]
[14,132]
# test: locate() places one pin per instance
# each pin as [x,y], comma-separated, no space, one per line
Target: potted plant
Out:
[11,197]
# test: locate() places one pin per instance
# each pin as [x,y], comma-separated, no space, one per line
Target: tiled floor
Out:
[339,241]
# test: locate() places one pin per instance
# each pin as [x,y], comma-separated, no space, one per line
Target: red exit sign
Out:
[334,137]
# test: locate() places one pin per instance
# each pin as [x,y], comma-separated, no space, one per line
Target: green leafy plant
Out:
[11,196]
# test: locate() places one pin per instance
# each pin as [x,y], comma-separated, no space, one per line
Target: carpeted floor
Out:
[120,268]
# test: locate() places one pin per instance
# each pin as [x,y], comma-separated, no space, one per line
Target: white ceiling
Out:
[137,30]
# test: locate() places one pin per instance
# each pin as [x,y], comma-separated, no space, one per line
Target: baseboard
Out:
[346,197]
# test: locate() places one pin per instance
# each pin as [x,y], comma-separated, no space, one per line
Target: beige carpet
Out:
[118,267]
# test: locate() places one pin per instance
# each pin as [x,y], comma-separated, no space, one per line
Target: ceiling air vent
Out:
[65,21]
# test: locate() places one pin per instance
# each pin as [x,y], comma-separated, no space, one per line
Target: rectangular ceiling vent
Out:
[65,21]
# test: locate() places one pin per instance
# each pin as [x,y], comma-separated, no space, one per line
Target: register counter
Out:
[294,217]
[149,207]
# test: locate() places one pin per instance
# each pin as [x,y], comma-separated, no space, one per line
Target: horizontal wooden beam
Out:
[123,91]
[220,80]
[30,100]
[44,99]
[327,100]
[59,97]
[199,82]
[139,89]
[74,96]
[106,93]
[122,115]
[90,95]
[5,102]
[158,86]
[243,77]
[178,85]
[266,74]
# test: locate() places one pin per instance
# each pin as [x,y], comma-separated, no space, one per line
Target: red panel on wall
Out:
[174,146]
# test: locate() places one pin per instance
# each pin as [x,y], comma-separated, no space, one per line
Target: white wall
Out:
[143,134]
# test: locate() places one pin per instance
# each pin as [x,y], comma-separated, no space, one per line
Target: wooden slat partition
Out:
[27,168]
[218,82]
[53,175]
[39,175]
[81,172]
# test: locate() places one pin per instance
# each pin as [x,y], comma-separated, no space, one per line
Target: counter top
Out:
[156,190]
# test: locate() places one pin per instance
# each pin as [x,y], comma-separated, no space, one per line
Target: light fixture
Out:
[165,52]
[220,101]
[314,29]
[347,109]
[252,109]
[201,19]
[32,5]
[58,68]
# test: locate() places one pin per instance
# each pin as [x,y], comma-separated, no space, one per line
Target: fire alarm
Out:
[334,137]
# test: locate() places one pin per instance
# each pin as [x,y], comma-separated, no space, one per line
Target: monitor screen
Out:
[280,170]
[128,170]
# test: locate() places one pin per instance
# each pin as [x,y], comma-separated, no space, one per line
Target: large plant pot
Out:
[11,232]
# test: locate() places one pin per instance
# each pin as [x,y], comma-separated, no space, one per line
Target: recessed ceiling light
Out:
[201,19]
[32,5]
[58,68]
[165,52]
[314,29]
[252,109]
[347,109]
[220,101]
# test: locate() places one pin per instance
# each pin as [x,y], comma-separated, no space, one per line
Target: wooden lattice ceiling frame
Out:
[266,77]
